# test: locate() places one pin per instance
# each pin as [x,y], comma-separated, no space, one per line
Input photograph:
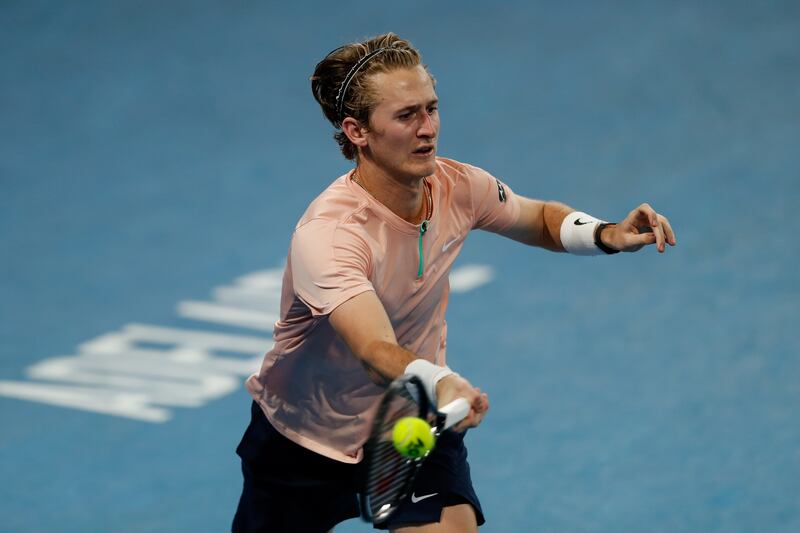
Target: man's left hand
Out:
[642,227]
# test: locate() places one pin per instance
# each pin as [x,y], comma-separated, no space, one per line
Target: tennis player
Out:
[364,297]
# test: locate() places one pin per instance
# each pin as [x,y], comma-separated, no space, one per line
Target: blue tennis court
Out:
[154,158]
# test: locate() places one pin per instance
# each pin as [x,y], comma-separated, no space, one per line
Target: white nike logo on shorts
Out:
[416,499]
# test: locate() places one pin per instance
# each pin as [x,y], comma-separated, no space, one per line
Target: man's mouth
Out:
[426,150]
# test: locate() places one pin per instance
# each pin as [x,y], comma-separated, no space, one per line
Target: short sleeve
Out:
[330,264]
[495,206]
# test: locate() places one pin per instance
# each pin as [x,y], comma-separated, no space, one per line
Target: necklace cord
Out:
[428,198]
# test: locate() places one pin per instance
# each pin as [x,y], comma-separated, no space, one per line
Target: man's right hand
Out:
[453,387]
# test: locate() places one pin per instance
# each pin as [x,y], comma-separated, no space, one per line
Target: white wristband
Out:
[429,374]
[577,234]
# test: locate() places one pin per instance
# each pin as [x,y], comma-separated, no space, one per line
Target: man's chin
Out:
[426,167]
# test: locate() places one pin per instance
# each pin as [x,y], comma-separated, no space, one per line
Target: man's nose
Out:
[427,128]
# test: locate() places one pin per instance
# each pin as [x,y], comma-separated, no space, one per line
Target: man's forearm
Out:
[553,214]
[386,359]
[539,223]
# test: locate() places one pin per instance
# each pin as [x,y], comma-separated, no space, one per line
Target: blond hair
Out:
[341,81]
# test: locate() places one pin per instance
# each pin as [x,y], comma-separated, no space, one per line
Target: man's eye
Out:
[432,110]
[406,116]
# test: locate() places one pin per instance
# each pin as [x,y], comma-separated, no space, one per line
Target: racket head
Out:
[387,475]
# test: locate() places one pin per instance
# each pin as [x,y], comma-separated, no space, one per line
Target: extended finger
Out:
[646,212]
[658,234]
[462,426]
[668,231]
[482,403]
[653,219]
[472,420]
[479,408]
[644,215]
[635,242]
[477,418]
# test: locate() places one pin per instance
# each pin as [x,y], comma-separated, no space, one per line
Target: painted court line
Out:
[142,371]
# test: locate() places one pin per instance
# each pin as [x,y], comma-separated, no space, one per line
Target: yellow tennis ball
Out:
[412,437]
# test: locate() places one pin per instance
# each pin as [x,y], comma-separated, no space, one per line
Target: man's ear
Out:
[355,132]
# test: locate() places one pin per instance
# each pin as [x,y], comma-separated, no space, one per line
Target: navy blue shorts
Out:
[289,488]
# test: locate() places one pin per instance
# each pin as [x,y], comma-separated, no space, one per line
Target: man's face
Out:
[404,126]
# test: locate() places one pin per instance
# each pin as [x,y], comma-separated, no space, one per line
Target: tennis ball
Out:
[412,437]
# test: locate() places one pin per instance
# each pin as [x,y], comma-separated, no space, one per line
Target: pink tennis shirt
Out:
[311,387]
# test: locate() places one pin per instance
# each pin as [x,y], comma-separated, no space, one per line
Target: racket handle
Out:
[455,412]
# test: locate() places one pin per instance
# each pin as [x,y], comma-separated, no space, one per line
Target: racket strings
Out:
[390,474]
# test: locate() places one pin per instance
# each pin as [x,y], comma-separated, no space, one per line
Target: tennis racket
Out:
[389,476]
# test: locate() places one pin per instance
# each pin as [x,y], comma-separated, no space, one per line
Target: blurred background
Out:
[155,156]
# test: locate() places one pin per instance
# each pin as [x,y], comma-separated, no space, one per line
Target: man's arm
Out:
[539,224]
[365,327]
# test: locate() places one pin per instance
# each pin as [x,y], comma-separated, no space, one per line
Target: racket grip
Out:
[455,412]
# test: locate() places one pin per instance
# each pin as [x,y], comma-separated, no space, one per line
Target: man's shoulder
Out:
[450,168]
[334,205]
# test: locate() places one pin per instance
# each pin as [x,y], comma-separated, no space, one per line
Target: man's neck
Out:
[404,197]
